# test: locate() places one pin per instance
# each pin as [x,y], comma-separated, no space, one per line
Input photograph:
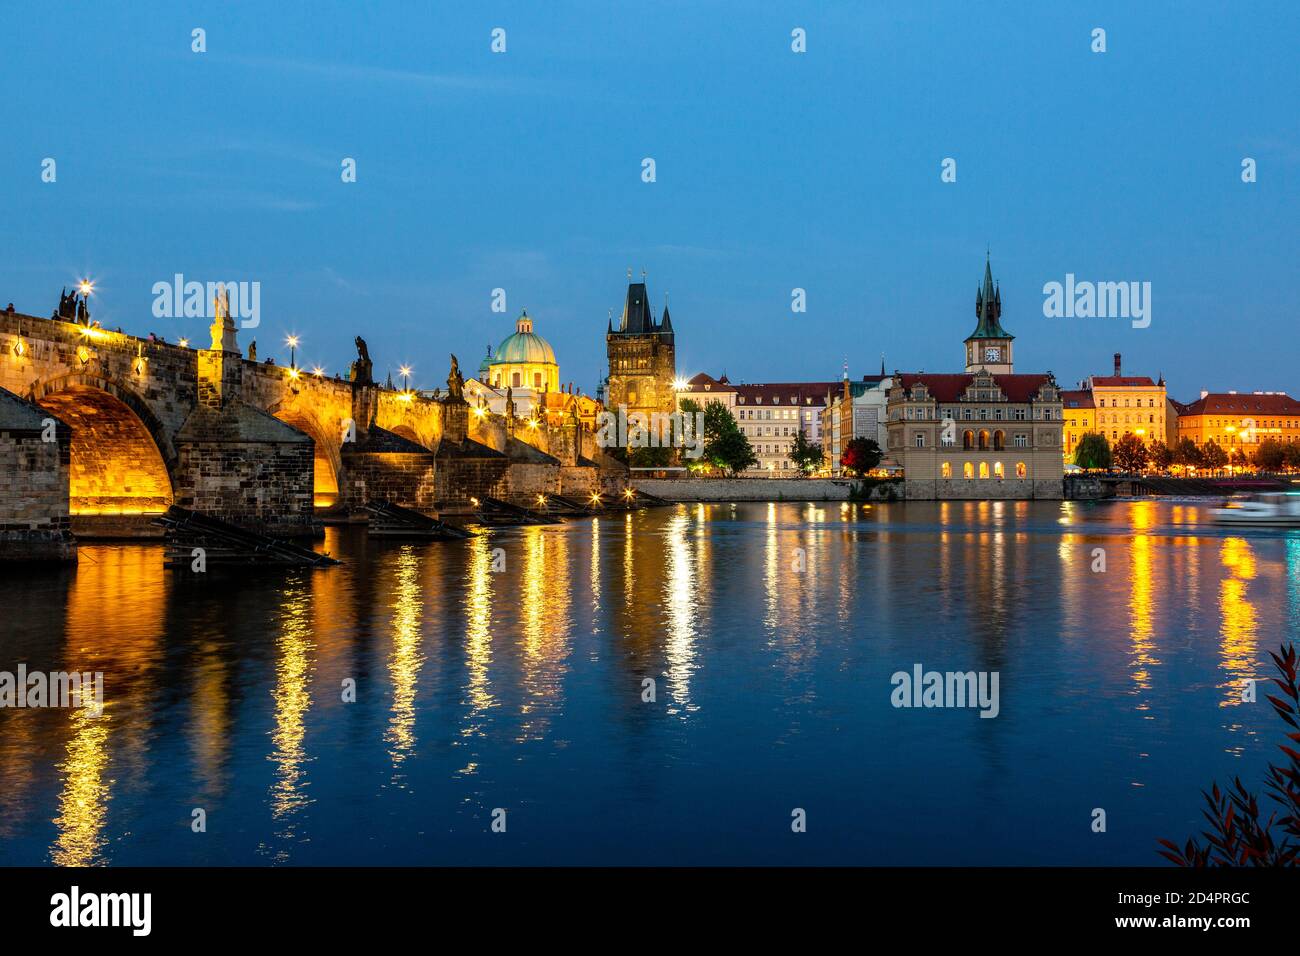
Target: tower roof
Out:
[988,309]
[637,317]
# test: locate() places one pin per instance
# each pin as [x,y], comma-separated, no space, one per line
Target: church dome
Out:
[525,347]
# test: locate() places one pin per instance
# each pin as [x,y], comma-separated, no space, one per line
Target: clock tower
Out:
[989,346]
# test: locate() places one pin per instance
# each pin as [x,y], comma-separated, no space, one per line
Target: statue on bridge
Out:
[455,382]
[363,368]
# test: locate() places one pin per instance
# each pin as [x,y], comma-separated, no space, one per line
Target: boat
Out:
[1277,509]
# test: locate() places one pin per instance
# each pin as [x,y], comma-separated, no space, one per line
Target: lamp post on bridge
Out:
[292,342]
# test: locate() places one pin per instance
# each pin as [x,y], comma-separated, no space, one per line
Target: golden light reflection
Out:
[292,699]
[83,801]
[1238,635]
[547,628]
[680,602]
[771,571]
[405,659]
[1141,596]
[478,636]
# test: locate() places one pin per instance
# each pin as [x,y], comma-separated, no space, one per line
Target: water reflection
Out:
[1238,618]
[405,660]
[519,688]
[292,700]
[84,798]
[681,601]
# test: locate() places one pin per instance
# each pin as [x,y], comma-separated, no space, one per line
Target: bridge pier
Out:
[35,451]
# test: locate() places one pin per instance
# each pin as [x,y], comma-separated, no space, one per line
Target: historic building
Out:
[984,433]
[989,346]
[1114,406]
[524,360]
[1080,418]
[642,357]
[1239,419]
[771,414]
[856,409]
[704,388]
[1128,404]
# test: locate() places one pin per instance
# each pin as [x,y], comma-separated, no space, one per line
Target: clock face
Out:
[992,354]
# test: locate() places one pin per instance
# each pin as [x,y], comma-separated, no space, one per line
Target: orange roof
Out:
[1228,403]
[1078,399]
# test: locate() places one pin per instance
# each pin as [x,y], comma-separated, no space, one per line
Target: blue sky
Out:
[774,171]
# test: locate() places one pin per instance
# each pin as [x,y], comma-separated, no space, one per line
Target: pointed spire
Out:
[882,364]
[666,325]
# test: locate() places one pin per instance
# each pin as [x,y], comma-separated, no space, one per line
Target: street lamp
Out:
[405,371]
[86,287]
[292,342]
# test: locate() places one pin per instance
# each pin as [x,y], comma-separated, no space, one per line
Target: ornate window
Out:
[945,470]
[968,470]
[1020,469]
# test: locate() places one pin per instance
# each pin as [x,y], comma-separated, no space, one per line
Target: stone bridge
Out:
[143,424]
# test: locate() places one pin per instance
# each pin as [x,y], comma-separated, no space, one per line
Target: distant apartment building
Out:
[772,414]
[855,409]
[769,415]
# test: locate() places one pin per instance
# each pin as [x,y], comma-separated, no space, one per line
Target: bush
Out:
[1237,836]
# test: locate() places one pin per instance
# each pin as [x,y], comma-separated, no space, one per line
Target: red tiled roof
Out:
[786,393]
[1225,403]
[705,382]
[1122,381]
[950,388]
[1078,399]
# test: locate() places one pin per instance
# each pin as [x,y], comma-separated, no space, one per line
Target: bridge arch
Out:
[122,459]
[327,467]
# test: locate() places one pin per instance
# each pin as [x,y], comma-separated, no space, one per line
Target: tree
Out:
[1213,456]
[806,455]
[860,455]
[1291,455]
[1186,453]
[1270,455]
[725,445]
[658,456]
[1093,451]
[1131,454]
[1161,455]
[1238,458]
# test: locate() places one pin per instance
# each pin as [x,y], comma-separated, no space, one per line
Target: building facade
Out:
[1080,418]
[772,414]
[642,358]
[1128,404]
[857,409]
[984,433]
[524,360]
[1240,419]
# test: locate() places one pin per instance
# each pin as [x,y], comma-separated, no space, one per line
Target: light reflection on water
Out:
[771,630]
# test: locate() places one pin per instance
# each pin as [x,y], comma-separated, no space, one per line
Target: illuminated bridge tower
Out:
[642,356]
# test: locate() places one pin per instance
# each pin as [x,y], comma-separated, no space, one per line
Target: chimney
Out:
[1117,372]
[1204,393]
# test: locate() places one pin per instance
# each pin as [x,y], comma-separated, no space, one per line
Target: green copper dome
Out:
[484,365]
[524,347]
